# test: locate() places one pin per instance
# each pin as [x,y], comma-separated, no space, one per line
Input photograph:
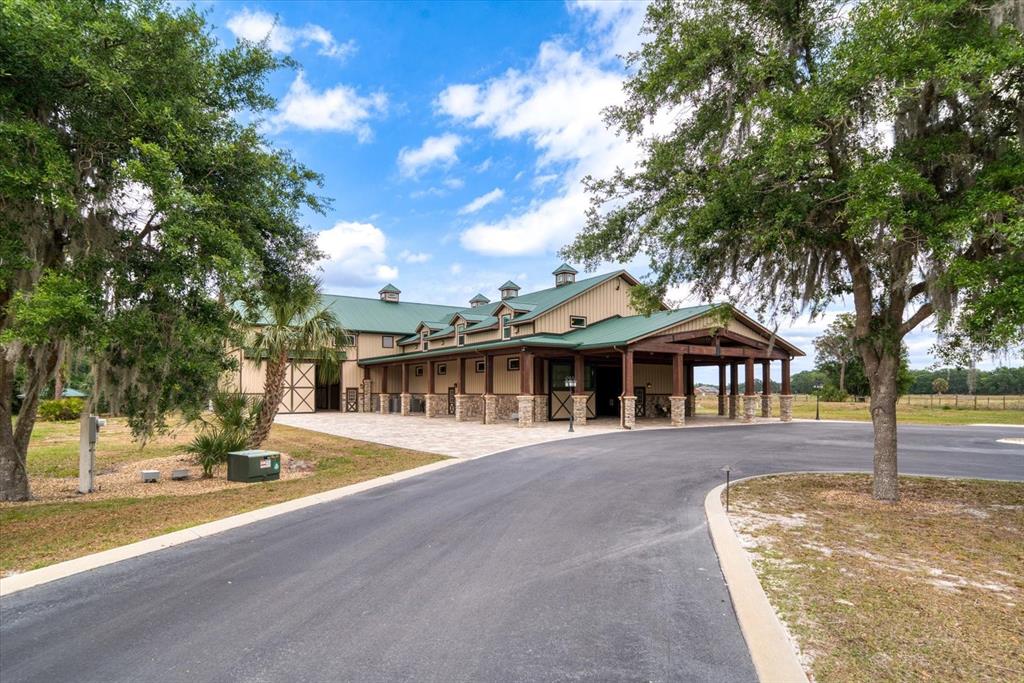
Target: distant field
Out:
[950,410]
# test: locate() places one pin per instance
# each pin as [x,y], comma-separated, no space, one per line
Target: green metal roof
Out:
[480,298]
[621,330]
[564,268]
[546,299]
[389,288]
[510,285]
[359,314]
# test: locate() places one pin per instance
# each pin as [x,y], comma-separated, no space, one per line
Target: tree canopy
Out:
[136,203]
[803,152]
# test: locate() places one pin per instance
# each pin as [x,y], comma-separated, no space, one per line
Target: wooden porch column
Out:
[525,373]
[766,389]
[734,388]
[678,397]
[366,372]
[406,397]
[786,397]
[384,397]
[691,399]
[579,393]
[490,400]
[460,377]
[538,376]
[749,397]
[721,389]
[431,371]
[627,403]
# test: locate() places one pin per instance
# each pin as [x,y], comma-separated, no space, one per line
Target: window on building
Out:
[506,326]
[481,366]
[512,364]
[577,321]
[442,369]
[387,341]
[424,344]
[418,371]
[460,334]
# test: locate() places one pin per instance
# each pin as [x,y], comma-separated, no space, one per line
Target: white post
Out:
[86,454]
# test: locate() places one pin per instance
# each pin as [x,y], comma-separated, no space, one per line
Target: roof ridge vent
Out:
[564,275]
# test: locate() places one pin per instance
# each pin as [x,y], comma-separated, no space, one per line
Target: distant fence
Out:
[947,401]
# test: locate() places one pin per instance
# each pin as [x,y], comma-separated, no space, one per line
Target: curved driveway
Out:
[587,559]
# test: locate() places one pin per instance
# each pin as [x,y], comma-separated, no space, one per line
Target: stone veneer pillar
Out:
[406,403]
[628,411]
[436,405]
[579,409]
[749,408]
[786,408]
[525,410]
[721,404]
[677,410]
[385,406]
[460,407]
[766,405]
[732,406]
[688,403]
[540,408]
[490,409]
[366,404]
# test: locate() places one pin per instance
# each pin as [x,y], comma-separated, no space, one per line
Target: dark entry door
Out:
[451,400]
[351,400]
[641,401]
[609,388]
[328,394]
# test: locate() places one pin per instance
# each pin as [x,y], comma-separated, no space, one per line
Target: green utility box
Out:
[254,466]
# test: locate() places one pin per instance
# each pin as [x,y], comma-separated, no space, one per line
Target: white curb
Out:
[19,582]
[771,648]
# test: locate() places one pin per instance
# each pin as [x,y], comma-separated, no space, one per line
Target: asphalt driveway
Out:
[577,560]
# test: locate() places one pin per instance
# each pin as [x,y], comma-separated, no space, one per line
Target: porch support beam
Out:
[721,388]
[734,388]
[786,398]
[627,403]
[749,397]
[678,399]
[709,351]
[766,389]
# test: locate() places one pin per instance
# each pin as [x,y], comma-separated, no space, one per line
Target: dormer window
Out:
[389,293]
[506,326]
[460,334]
[424,344]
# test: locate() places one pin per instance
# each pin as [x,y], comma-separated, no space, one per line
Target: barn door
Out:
[451,400]
[351,400]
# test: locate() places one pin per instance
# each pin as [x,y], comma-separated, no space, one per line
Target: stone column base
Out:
[385,406]
[540,408]
[749,408]
[366,400]
[677,410]
[490,409]
[732,406]
[628,404]
[786,408]
[462,408]
[406,403]
[766,406]
[579,409]
[525,410]
[721,404]
[436,405]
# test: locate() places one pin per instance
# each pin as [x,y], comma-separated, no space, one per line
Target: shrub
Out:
[60,409]
[211,446]
[832,394]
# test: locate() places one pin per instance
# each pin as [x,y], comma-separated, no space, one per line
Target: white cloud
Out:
[435,151]
[614,24]
[414,257]
[482,201]
[339,109]
[484,165]
[455,268]
[571,141]
[355,254]
[256,26]
[453,183]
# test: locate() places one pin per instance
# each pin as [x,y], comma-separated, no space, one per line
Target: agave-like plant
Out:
[210,447]
[228,428]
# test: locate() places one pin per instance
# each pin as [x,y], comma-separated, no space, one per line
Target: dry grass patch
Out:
[61,525]
[931,588]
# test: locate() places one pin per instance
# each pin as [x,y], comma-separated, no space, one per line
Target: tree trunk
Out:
[842,376]
[273,390]
[883,416]
[40,364]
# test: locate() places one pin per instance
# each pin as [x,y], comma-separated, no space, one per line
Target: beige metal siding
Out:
[505,382]
[604,301]
[659,376]
[474,379]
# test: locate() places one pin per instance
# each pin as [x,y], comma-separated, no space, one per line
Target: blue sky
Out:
[452,137]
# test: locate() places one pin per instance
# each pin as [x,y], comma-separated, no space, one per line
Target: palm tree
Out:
[294,324]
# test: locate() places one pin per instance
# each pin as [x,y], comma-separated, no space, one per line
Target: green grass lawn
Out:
[850,410]
[929,589]
[39,533]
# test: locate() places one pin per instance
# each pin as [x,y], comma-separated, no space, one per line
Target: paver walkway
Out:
[463,439]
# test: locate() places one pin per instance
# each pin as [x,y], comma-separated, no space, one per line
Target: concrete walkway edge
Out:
[35,577]
[771,648]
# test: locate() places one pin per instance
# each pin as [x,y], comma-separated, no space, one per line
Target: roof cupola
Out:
[509,290]
[479,300]
[389,293]
[564,275]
